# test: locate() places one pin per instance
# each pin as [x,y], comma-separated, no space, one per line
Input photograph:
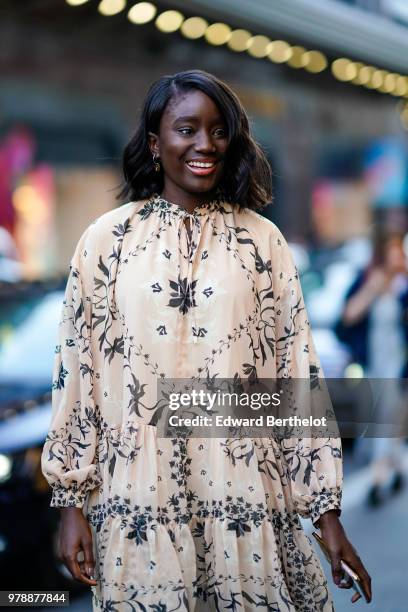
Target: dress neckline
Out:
[202,208]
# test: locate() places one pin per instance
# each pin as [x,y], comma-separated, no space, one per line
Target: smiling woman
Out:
[199,130]
[192,143]
[183,523]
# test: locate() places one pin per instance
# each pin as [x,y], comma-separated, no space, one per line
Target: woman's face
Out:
[191,144]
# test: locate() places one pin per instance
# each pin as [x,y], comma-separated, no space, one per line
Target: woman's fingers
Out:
[337,570]
[76,541]
[346,581]
[366,584]
[71,562]
[73,566]
[355,597]
[78,569]
[89,561]
[357,565]
[340,548]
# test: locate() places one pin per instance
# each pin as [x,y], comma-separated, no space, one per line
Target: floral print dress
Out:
[182,523]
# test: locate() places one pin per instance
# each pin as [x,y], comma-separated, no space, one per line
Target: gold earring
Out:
[156,163]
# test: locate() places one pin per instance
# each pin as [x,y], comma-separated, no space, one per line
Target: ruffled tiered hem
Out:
[230,563]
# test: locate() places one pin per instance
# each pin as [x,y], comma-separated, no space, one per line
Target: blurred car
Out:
[11,269]
[28,526]
[27,354]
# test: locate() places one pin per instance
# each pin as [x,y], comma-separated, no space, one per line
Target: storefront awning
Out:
[325,24]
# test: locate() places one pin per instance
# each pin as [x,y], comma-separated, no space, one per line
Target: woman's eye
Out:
[185,130]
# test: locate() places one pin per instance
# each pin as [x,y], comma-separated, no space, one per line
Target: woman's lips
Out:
[202,168]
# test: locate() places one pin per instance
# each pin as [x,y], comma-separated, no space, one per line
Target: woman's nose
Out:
[204,142]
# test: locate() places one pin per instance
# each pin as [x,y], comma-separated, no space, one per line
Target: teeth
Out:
[201,164]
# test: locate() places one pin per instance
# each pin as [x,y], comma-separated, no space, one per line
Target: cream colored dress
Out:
[186,524]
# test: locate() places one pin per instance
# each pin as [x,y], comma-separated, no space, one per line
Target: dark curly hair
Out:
[247,178]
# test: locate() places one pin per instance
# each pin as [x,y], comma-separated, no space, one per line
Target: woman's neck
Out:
[183,198]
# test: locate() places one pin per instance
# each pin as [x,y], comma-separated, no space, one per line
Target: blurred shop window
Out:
[17,149]
[340,210]
[386,173]
[340,203]
[341,161]
[34,202]
[26,206]
[54,181]
[83,194]
[10,267]
[356,185]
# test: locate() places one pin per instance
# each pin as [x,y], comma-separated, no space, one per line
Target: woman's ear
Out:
[154,144]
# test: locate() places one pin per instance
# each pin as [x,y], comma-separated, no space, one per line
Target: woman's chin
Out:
[202,187]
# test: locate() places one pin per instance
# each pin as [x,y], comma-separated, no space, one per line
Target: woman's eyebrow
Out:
[192,118]
[185,118]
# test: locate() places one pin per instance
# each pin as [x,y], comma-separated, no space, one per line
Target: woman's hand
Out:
[75,536]
[377,281]
[358,304]
[339,548]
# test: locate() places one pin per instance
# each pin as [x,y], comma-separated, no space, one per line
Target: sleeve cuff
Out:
[73,496]
[325,500]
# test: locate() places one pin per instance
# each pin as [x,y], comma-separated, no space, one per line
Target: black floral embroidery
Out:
[183,294]
[62,374]
[136,392]
[138,529]
[208,291]
[147,210]
[115,347]
[121,229]
[199,332]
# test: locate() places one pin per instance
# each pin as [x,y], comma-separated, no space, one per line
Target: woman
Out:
[192,283]
[375,323]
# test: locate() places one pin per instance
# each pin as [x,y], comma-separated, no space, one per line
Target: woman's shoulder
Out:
[107,225]
[106,229]
[272,244]
[263,227]
[121,215]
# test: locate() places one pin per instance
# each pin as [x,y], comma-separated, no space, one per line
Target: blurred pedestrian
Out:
[375,322]
[188,281]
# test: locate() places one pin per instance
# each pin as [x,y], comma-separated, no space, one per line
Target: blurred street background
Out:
[325,83]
